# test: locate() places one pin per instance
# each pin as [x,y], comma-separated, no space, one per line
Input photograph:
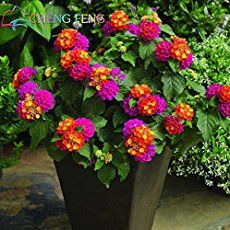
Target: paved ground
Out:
[30,198]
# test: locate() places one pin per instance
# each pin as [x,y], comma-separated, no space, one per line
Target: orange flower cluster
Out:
[155,18]
[28,109]
[184,111]
[71,140]
[180,49]
[224,94]
[66,39]
[119,20]
[98,76]
[140,90]
[139,140]
[74,56]
[147,105]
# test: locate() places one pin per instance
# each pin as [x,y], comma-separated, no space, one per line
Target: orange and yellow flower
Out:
[140,90]
[184,111]
[119,20]
[67,124]
[148,105]
[180,49]
[145,133]
[224,94]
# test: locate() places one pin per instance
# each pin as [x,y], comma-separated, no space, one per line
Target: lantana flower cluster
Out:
[74,133]
[149,30]
[33,102]
[223,94]
[140,101]
[139,140]
[174,124]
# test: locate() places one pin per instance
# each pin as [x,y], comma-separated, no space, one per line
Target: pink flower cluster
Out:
[223,94]
[32,100]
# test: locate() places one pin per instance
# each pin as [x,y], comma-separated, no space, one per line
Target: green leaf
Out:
[123,170]
[146,49]
[99,122]
[88,93]
[130,57]
[35,7]
[38,131]
[132,102]
[55,10]
[173,86]
[198,88]
[93,106]
[174,65]
[5,7]
[54,152]
[206,123]
[81,160]
[106,174]
[98,165]
[167,29]
[85,151]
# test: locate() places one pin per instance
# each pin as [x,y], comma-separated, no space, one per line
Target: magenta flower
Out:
[131,111]
[212,91]
[224,109]
[87,127]
[130,125]
[82,43]
[146,157]
[117,74]
[28,87]
[149,31]
[107,29]
[44,99]
[80,72]
[134,29]
[25,73]
[187,62]
[163,50]
[162,104]
[19,109]
[108,90]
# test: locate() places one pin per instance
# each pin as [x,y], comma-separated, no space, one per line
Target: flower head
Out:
[139,91]
[79,72]
[65,125]
[147,156]
[161,104]
[224,94]
[109,90]
[144,133]
[131,111]
[26,88]
[44,99]
[224,109]
[172,125]
[23,75]
[185,63]
[180,49]
[66,39]
[134,29]
[147,105]
[87,127]
[184,111]
[28,109]
[163,50]
[149,31]
[130,125]
[81,43]
[107,29]
[212,91]
[119,20]
[117,74]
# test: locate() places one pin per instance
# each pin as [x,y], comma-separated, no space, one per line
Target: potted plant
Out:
[115,111]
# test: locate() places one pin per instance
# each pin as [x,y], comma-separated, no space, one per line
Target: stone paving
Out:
[30,198]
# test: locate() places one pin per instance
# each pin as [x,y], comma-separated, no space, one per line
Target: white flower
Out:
[87,1]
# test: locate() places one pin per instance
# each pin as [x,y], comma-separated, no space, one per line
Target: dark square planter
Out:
[130,205]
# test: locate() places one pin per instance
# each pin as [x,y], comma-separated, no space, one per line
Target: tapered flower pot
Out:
[130,205]
[1,153]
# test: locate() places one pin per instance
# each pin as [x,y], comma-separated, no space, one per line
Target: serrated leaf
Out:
[198,88]
[98,165]
[106,174]
[81,160]
[93,106]
[38,131]
[129,57]
[146,49]
[174,65]
[123,170]
[119,117]
[99,122]
[173,86]
[206,123]
[54,152]
[167,29]
[88,93]
[85,151]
